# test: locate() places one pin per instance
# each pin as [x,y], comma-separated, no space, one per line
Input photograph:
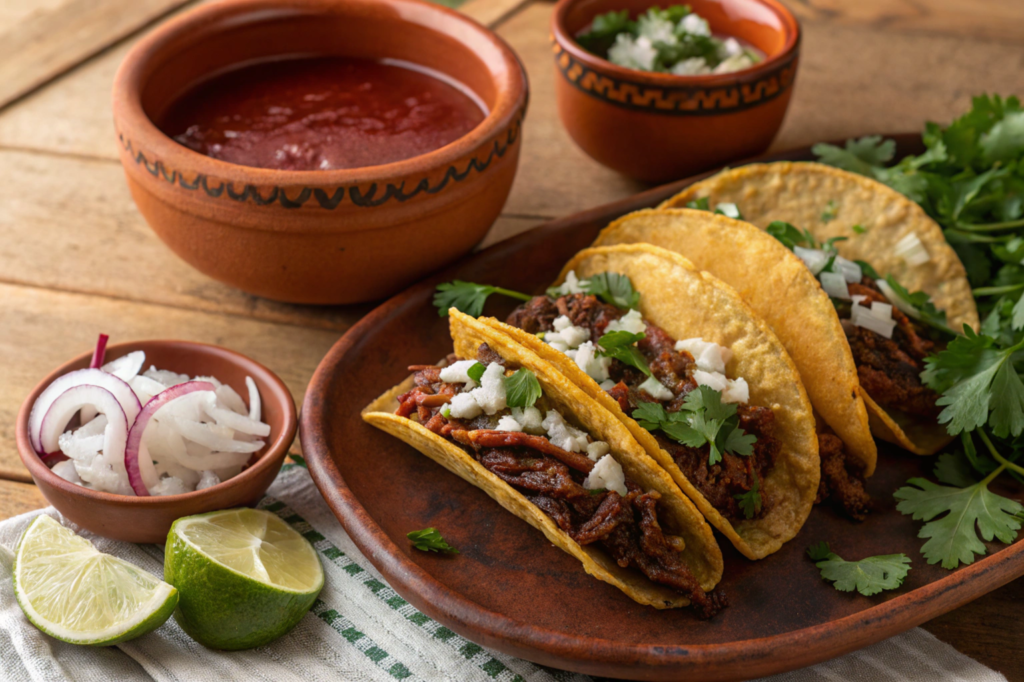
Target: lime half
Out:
[72,591]
[245,577]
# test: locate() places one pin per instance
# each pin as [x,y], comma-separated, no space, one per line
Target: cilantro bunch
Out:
[970,180]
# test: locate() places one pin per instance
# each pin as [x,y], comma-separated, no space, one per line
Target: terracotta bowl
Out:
[657,127]
[333,236]
[147,519]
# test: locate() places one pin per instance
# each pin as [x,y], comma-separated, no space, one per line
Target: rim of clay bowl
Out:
[511,87]
[274,451]
[790,26]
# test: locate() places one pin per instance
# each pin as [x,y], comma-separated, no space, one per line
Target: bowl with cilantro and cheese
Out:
[661,92]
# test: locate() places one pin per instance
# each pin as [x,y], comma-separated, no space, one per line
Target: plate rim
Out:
[738,659]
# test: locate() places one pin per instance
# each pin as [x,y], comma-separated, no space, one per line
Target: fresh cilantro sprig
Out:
[430,540]
[469,297]
[702,420]
[522,389]
[614,289]
[925,310]
[621,345]
[476,371]
[869,576]
[729,210]
[750,502]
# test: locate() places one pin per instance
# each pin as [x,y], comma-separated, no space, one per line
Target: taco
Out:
[873,250]
[501,418]
[698,379]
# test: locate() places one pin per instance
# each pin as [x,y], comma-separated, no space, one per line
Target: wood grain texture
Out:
[45,328]
[55,36]
[18,498]
[491,12]
[998,19]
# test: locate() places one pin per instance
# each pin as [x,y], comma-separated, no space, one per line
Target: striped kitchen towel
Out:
[361,630]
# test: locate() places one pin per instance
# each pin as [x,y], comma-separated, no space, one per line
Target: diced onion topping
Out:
[834,285]
[814,259]
[877,318]
[851,272]
[656,389]
[896,299]
[911,250]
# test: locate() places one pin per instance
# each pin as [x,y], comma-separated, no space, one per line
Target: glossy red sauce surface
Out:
[321,113]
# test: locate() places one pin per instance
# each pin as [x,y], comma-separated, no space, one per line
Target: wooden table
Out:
[76,258]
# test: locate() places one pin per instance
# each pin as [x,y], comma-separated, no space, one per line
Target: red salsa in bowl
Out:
[322,113]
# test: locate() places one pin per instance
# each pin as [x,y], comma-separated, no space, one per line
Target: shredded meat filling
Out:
[840,480]
[719,483]
[626,527]
[890,369]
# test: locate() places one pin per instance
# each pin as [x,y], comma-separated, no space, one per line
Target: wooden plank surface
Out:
[45,328]
[18,498]
[40,40]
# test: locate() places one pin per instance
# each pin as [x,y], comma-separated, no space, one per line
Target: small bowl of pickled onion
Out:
[125,439]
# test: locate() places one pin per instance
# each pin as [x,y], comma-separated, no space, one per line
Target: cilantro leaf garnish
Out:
[701,204]
[859,229]
[867,270]
[922,303]
[955,517]
[603,30]
[703,419]
[429,540]
[790,235]
[476,370]
[869,576]
[621,345]
[522,389]
[750,501]
[729,210]
[614,289]
[829,214]
[468,297]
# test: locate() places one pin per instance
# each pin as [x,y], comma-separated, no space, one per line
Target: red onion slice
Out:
[131,451]
[99,352]
[71,401]
[121,391]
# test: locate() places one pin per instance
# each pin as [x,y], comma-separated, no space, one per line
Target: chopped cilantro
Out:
[475,371]
[868,576]
[790,235]
[429,540]
[859,229]
[702,420]
[522,389]
[614,289]
[701,204]
[750,501]
[468,297]
[925,310]
[829,214]
[621,345]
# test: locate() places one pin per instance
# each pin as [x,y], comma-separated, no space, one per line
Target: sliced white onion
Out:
[882,311]
[132,463]
[850,270]
[862,317]
[217,438]
[230,399]
[814,259]
[145,388]
[911,250]
[896,299]
[165,377]
[834,285]
[236,421]
[126,366]
[255,408]
[200,458]
[121,392]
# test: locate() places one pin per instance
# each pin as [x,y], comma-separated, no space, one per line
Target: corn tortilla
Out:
[779,288]
[800,193]
[678,515]
[687,303]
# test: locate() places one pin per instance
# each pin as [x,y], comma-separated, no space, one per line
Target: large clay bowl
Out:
[334,236]
[657,127]
[147,519]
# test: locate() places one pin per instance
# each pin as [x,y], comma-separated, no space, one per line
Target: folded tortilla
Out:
[828,203]
[687,303]
[678,515]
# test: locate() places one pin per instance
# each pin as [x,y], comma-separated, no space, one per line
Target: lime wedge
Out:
[72,591]
[245,577]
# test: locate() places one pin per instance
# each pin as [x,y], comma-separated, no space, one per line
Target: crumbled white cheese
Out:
[561,323]
[586,359]
[598,449]
[656,389]
[463,406]
[708,356]
[695,24]
[566,336]
[529,419]
[607,385]
[729,47]
[571,285]
[564,435]
[737,391]
[490,396]
[631,322]
[607,474]
[711,379]
[508,423]
[456,373]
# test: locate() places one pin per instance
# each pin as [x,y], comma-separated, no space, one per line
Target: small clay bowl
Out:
[657,127]
[332,236]
[147,519]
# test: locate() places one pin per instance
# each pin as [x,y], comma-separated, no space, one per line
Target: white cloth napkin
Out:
[361,630]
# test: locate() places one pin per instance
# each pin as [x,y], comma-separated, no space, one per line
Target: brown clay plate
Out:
[511,590]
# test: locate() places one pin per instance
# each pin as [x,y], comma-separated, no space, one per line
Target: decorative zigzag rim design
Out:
[367,199]
[686,100]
